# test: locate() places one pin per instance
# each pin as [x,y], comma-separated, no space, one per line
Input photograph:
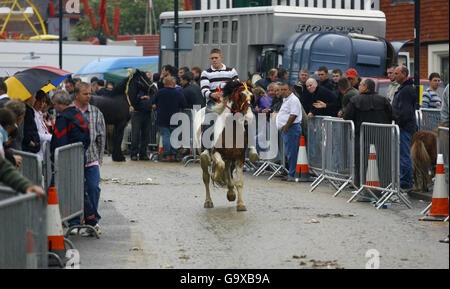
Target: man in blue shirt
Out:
[167,101]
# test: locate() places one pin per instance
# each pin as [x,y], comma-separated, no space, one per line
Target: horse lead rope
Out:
[130,71]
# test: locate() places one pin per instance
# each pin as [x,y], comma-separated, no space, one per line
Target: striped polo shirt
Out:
[211,79]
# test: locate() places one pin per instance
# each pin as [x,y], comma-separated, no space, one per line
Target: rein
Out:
[130,71]
[244,105]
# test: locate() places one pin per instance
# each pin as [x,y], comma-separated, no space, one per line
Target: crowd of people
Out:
[67,116]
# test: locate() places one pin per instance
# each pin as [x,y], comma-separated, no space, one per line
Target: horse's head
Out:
[139,82]
[240,96]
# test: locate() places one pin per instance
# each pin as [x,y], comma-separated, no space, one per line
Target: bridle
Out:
[235,97]
[130,72]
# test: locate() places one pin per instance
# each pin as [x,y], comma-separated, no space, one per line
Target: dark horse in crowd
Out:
[117,106]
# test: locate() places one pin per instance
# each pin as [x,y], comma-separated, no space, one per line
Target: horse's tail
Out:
[421,159]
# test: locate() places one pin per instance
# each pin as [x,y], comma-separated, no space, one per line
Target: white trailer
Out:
[251,39]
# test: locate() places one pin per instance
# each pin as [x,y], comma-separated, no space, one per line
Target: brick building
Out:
[434,32]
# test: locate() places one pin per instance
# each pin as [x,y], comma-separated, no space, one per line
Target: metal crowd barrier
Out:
[276,165]
[69,183]
[193,156]
[442,147]
[23,231]
[429,118]
[386,139]
[314,144]
[47,166]
[31,167]
[338,152]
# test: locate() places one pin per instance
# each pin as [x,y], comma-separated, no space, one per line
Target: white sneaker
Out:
[87,232]
[74,232]
[97,228]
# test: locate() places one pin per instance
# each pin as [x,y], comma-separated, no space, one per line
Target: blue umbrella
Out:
[116,64]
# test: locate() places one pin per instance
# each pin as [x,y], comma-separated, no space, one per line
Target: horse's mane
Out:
[119,89]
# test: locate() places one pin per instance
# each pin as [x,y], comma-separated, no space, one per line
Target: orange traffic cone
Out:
[31,254]
[439,205]
[302,168]
[160,149]
[55,235]
[372,178]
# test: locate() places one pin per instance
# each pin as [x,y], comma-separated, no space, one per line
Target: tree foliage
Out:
[132,17]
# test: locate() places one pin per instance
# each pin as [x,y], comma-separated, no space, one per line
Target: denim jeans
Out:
[165,132]
[291,140]
[406,165]
[91,197]
[140,132]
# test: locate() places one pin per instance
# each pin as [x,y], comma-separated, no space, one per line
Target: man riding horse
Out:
[229,143]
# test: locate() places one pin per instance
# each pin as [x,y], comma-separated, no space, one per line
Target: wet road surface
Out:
[153,217]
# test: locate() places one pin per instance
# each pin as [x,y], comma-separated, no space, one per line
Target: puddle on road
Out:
[126,183]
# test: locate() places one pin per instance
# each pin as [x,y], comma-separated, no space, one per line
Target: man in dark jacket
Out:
[4,98]
[324,102]
[324,78]
[347,91]
[167,101]
[191,91]
[366,107]
[140,127]
[31,141]
[353,77]
[272,76]
[404,105]
[70,126]
[300,84]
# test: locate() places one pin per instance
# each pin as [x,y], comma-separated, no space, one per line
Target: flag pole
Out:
[149,14]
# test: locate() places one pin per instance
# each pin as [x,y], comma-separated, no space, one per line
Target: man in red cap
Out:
[353,77]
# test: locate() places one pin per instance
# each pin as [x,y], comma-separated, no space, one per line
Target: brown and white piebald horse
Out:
[230,142]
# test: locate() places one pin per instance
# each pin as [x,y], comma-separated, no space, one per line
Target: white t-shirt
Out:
[291,106]
[44,134]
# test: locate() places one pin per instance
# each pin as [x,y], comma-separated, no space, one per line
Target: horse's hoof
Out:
[208,205]
[231,196]
[241,208]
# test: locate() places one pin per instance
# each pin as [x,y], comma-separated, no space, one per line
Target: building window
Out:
[395,2]
[224,31]
[234,31]
[208,4]
[215,37]
[206,33]
[228,3]
[444,69]
[197,33]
